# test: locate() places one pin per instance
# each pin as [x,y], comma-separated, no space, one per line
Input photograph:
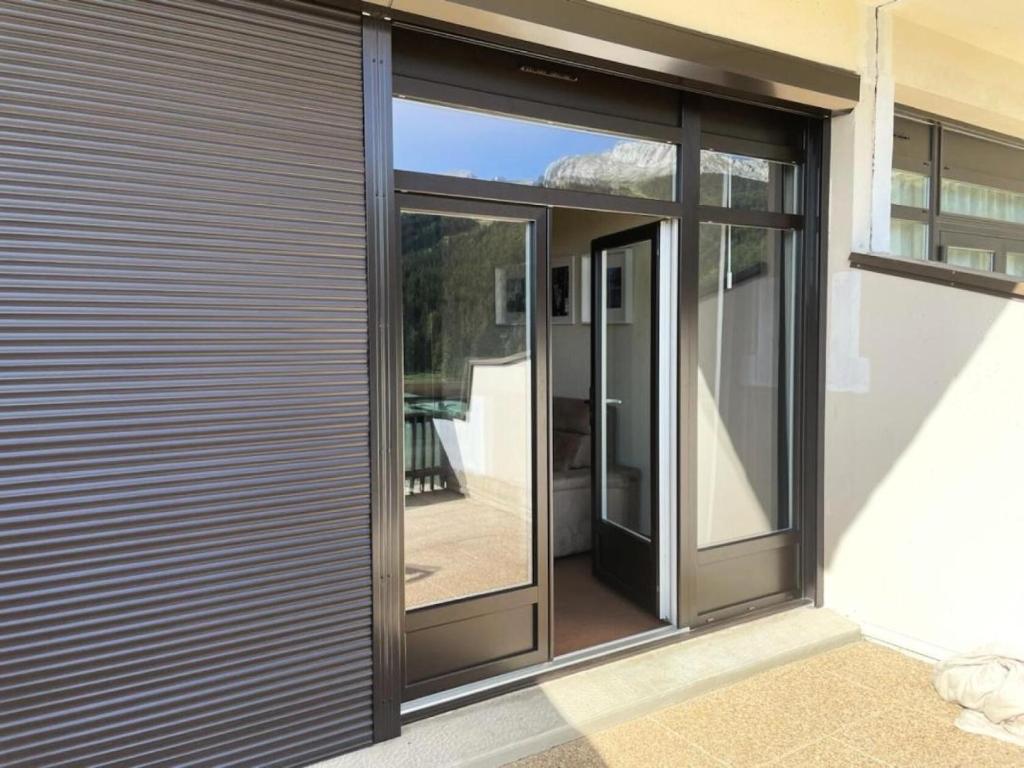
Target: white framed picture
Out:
[619,286]
[510,295]
[563,291]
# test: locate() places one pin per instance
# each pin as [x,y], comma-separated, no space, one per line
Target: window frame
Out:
[950,229]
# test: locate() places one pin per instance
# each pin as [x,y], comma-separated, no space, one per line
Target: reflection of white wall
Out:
[490,450]
[737,412]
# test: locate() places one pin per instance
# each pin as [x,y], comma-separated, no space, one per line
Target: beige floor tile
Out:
[910,740]
[828,753]
[760,719]
[902,680]
[637,744]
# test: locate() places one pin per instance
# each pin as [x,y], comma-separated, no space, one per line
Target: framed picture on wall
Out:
[619,288]
[510,295]
[619,285]
[563,291]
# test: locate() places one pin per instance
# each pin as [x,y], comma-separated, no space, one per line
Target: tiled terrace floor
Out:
[861,706]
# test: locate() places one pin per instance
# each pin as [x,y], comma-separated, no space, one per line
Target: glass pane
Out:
[467,305]
[626,338]
[745,381]
[909,188]
[431,138]
[973,258]
[750,183]
[909,239]
[983,202]
[1015,264]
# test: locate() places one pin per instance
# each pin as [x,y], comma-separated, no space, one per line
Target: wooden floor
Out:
[588,613]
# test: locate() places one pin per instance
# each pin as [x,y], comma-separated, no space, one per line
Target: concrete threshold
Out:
[508,727]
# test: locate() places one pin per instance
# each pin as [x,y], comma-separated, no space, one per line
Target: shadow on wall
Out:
[923,519]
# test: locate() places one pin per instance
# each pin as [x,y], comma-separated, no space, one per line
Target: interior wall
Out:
[571,234]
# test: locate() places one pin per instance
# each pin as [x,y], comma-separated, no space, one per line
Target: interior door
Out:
[624,295]
[475,517]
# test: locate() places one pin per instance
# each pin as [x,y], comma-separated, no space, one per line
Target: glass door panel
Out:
[624,340]
[625,366]
[745,328]
[475,507]
[467,314]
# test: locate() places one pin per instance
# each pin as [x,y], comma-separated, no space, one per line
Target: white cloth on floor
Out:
[989,684]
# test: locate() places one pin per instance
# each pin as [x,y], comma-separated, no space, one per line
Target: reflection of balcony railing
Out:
[425,465]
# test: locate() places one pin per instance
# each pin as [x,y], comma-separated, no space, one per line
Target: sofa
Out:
[571,477]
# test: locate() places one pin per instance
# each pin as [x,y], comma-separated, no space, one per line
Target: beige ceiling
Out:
[996,26]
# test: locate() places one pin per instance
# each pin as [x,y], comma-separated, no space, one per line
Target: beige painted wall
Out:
[826,31]
[940,73]
[923,513]
[924,518]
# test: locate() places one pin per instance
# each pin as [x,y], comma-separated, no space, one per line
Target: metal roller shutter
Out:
[184,524]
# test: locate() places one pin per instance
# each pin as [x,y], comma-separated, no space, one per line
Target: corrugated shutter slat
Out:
[184,472]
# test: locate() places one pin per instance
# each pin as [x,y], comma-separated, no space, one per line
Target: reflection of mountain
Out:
[635,169]
[641,169]
[751,168]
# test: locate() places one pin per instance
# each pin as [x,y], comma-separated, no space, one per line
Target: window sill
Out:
[942,274]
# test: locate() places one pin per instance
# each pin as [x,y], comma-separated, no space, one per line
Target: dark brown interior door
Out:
[624,406]
[474,311]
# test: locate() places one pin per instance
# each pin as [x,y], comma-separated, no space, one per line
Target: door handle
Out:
[612,401]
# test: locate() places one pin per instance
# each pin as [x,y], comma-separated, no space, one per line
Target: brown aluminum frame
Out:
[942,226]
[810,339]
[537,592]
[642,584]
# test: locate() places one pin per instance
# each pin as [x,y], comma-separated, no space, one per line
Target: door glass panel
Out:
[626,365]
[467,301]
[1015,264]
[749,183]
[745,380]
[972,258]
[431,138]
[909,239]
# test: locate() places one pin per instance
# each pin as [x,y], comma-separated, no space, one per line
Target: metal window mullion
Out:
[934,191]
[909,213]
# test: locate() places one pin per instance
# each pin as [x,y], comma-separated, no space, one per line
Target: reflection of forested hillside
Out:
[448,295]
[753,251]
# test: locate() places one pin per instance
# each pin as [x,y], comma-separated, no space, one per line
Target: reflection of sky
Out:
[435,139]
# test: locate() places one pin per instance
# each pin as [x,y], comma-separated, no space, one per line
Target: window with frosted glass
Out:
[976,221]
[982,202]
[909,239]
[451,141]
[748,183]
[745,333]
[972,258]
[1015,264]
[909,189]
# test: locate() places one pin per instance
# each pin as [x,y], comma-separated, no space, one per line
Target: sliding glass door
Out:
[475,512]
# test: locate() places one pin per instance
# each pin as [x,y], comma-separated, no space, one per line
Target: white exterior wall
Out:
[924,521]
